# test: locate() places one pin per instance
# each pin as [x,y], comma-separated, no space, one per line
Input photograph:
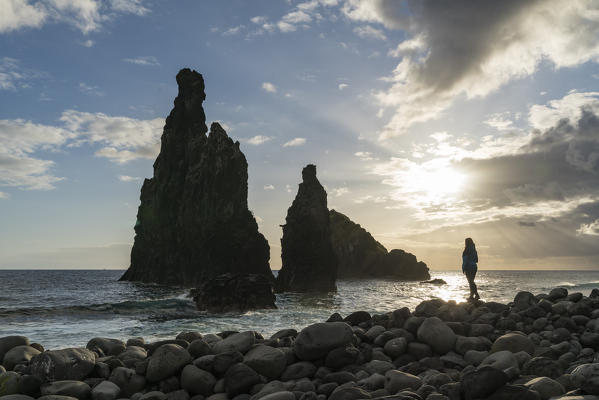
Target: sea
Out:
[66,308]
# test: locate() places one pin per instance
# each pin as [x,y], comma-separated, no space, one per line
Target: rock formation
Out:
[235,293]
[361,256]
[309,263]
[193,222]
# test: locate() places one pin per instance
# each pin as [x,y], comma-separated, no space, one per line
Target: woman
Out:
[469,267]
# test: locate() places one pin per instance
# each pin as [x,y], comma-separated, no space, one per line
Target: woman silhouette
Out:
[469,267]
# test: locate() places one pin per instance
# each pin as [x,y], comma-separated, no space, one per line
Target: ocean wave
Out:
[162,309]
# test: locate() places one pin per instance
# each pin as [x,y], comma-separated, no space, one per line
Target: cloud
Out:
[23,144]
[127,178]
[4,195]
[343,86]
[589,229]
[258,140]
[258,19]
[269,187]
[340,191]
[370,32]
[295,142]
[499,121]
[269,87]
[85,15]
[364,155]
[536,175]
[13,76]
[88,43]
[470,49]
[20,140]
[89,89]
[149,61]
[233,30]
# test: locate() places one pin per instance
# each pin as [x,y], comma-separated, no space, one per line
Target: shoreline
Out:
[535,347]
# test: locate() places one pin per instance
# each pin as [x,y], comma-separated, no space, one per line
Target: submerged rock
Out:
[360,256]
[193,222]
[309,263]
[235,293]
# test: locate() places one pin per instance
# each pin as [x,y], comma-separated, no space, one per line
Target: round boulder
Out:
[128,381]
[9,383]
[19,355]
[316,340]
[240,342]
[197,381]
[397,380]
[546,387]
[436,334]
[266,360]
[239,379]
[78,389]
[166,361]
[106,346]
[396,347]
[8,342]
[483,382]
[586,376]
[501,360]
[66,364]
[513,342]
[105,390]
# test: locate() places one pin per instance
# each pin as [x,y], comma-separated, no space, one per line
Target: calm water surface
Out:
[67,308]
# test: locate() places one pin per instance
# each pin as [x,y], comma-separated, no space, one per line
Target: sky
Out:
[429,121]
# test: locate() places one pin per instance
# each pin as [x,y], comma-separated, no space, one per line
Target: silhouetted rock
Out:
[436,281]
[309,263]
[361,256]
[235,293]
[193,222]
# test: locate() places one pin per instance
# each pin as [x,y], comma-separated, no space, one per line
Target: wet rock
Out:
[238,293]
[501,360]
[546,387]
[397,380]
[542,366]
[193,222]
[166,361]
[106,346]
[299,370]
[316,340]
[240,342]
[105,390]
[586,376]
[128,381]
[309,261]
[524,300]
[8,342]
[67,364]
[9,383]
[77,389]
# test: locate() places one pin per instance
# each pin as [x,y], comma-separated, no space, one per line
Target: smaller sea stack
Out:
[309,262]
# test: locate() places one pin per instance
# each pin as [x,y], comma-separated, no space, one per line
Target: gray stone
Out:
[341,356]
[501,360]
[475,357]
[543,366]
[463,344]
[396,347]
[546,387]
[134,353]
[266,360]
[349,393]
[78,389]
[397,380]
[239,379]
[557,293]
[67,364]
[240,342]
[155,395]
[302,369]
[16,397]
[316,340]
[197,381]
[56,397]
[9,383]
[166,361]
[586,376]
[513,342]
[106,390]
[482,382]
[128,381]
[199,348]
[8,342]
[106,346]
[378,367]
[284,395]
[437,334]
[19,355]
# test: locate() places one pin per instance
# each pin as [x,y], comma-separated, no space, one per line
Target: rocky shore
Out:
[541,346]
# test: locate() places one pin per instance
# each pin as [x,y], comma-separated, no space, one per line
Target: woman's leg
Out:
[470,277]
[474,289]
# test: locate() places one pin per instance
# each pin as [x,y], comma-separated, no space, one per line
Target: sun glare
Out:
[437,184]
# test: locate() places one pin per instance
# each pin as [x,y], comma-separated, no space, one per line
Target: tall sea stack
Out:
[309,263]
[193,222]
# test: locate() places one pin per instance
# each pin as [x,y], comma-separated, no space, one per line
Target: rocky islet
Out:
[442,350]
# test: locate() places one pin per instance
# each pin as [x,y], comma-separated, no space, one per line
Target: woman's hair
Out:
[469,247]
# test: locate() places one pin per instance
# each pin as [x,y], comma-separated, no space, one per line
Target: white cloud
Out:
[589,229]
[446,58]
[269,187]
[13,76]
[85,15]
[340,191]
[295,142]
[233,30]
[499,121]
[89,89]
[4,195]
[18,14]
[129,6]
[145,61]
[269,87]
[288,188]
[570,106]
[258,140]
[343,86]
[258,19]
[364,155]
[127,178]
[88,43]
[370,32]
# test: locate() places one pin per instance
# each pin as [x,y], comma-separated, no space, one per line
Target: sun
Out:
[437,184]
